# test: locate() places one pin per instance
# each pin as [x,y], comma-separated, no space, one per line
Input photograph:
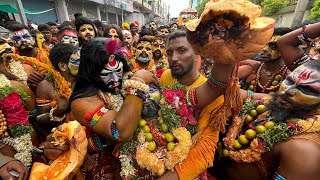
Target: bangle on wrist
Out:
[54,118]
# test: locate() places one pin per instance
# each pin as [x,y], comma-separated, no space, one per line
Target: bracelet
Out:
[214,83]
[136,85]
[304,38]
[96,144]
[305,58]
[41,115]
[97,116]
[136,92]
[114,131]
[250,94]
[54,118]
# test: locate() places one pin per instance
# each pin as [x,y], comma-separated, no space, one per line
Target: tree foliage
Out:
[315,11]
[200,7]
[272,6]
[268,6]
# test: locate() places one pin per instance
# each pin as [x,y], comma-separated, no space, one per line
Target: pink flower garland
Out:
[181,107]
[12,107]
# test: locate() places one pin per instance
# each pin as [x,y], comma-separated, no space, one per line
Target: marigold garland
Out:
[64,88]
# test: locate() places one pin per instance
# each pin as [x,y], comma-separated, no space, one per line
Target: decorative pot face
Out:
[229,31]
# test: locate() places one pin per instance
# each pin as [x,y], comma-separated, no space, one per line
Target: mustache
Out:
[174,64]
[6,51]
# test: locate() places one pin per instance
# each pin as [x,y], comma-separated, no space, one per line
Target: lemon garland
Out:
[172,148]
[262,132]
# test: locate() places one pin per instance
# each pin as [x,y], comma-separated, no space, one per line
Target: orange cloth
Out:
[202,154]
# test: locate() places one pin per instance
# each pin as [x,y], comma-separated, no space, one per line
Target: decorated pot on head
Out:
[229,31]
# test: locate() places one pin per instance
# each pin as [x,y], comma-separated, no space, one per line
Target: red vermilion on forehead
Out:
[113,31]
[68,33]
[20,32]
[112,63]
[144,42]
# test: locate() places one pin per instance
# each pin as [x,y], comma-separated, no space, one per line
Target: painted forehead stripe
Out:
[145,42]
[305,74]
[20,32]
[113,31]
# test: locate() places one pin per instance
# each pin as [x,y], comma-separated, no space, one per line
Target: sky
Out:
[176,6]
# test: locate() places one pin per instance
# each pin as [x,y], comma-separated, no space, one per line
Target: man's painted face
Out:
[151,105]
[180,56]
[69,37]
[164,32]
[270,51]
[74,63]
[6,43]
[127,38]
[144,52]
[113,34]
[301,87]
[158,47]
[153,26]
[112,73]
[23,40]
[174,28]
[86,32]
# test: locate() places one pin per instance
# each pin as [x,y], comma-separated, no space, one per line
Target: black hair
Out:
[61,53]
[176,34]
[80,20]
[281,31]
[113,26]
[132,24]
[65,24]
[98,24]
[78,14]
[15,26]
[145,32]
[52,24]
[173,24]
[164,27]
[93,59]
[144,39]
[43,27]
[34,32]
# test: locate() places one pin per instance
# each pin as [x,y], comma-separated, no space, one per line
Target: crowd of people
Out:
[151,106]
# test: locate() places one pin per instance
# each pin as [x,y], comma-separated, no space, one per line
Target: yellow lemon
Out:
[250,134]
[261,109]
[260,129]
[243,140]
[249,118]
[164,127]
[253,113]
[170,146]
[151,146]
[236,144]
[278,77]
[143,122]
[146,129]
[149,137]
[169,137]
[225,152]
[269,124]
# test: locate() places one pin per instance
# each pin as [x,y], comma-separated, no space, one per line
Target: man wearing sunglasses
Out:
[269,75]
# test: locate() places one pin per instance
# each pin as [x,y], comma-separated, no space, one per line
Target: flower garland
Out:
[136,67]
[17,69]
[64,88]
[262,131]
[17,124]
[160,144]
